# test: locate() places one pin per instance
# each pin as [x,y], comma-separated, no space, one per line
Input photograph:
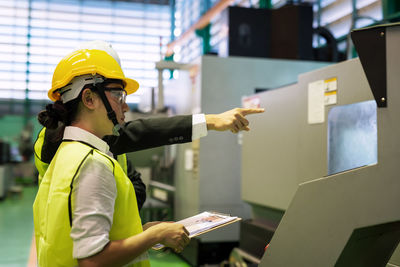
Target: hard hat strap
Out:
[110,112]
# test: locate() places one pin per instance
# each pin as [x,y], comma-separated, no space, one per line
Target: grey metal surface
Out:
[352,136]
[322,214]
[216,184]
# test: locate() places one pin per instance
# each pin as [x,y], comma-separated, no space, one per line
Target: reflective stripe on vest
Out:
[51,206]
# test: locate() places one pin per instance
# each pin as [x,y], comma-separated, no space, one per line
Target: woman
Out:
[85,212]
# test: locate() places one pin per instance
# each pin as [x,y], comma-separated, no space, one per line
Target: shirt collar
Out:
[78,134]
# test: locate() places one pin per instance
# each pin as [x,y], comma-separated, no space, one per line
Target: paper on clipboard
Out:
[204,222]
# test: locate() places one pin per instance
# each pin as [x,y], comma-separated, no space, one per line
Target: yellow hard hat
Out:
[88,61]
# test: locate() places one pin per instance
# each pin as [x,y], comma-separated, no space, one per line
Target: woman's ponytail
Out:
[54,115]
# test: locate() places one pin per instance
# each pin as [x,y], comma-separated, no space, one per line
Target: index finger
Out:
[247,111]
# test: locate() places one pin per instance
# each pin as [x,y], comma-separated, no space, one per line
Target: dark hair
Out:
[58,115]
[53,114]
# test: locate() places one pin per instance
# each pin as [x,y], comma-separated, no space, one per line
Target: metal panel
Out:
[352,136]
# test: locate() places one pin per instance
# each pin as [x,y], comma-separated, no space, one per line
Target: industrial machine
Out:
[207,171]
[322,161]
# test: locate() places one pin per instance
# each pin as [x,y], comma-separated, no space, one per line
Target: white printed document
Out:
[204,222]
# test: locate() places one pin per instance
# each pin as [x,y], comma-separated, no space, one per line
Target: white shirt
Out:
[199,126]
[94,192]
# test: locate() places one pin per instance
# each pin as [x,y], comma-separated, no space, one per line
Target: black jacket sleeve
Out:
[138,185]
[151,132]
[146,133]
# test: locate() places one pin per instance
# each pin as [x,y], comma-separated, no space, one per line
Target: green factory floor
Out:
[16,230]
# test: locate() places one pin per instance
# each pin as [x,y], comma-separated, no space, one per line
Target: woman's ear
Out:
[89,98]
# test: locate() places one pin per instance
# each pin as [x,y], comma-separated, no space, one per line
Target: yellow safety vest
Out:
[122,161]
[42,166]
[52,210]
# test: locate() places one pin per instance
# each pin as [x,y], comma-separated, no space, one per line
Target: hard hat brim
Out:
[131,85]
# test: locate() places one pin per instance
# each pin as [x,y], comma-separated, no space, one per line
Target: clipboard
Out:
[204,222]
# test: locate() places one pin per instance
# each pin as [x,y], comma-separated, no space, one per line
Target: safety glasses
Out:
[117,94]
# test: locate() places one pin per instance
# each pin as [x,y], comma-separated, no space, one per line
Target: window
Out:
[36,34]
